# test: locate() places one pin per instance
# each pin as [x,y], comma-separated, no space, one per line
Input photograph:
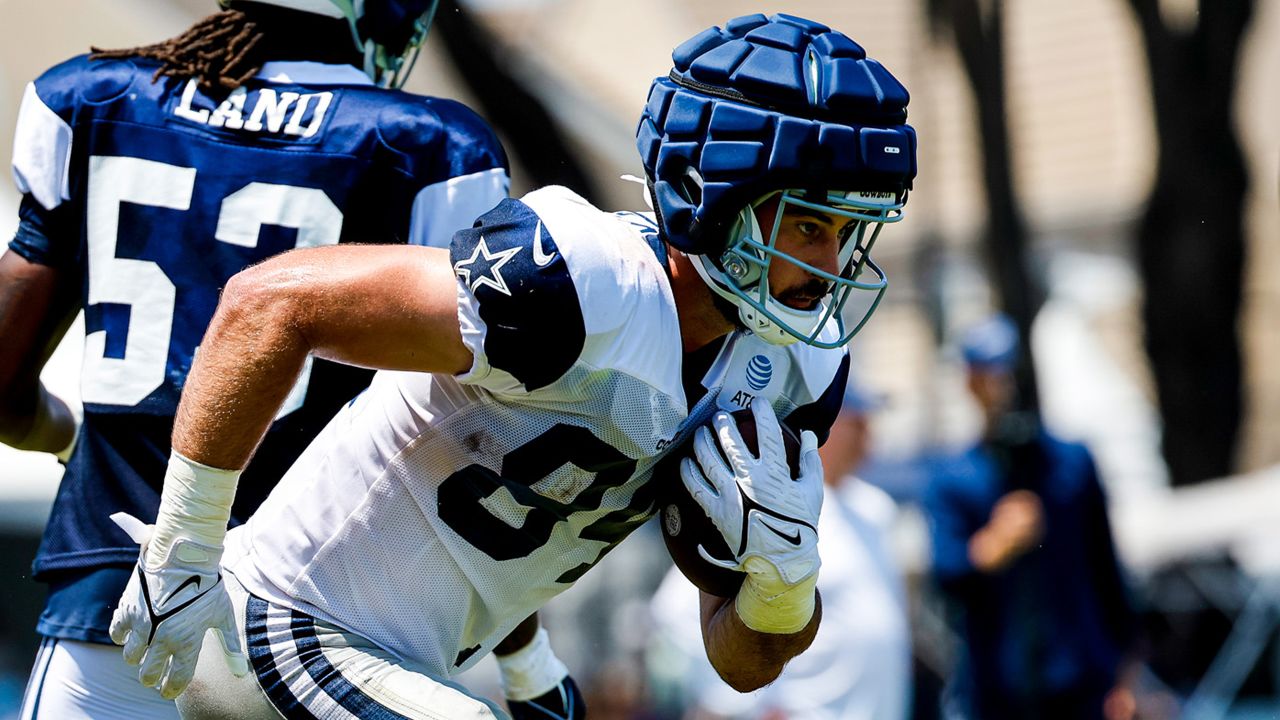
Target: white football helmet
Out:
[389,33]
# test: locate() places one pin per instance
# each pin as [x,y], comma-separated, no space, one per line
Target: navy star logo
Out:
[484,267]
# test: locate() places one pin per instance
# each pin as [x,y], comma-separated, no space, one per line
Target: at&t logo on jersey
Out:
[759,372]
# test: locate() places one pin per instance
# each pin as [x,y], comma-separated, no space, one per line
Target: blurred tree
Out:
[1191,237]
[532,135]
[977,29]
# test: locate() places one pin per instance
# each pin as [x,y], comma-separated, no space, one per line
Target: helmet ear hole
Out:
[689,186]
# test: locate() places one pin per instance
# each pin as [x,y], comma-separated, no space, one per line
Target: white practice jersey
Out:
[435,513]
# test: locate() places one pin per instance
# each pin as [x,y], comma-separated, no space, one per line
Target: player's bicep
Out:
[36,305]
[389,307]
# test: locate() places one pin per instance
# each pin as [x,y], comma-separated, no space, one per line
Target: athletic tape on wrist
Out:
[532,670]
[767,608]
[195,505]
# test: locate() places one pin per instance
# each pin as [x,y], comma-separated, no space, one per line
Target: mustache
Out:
[814,289]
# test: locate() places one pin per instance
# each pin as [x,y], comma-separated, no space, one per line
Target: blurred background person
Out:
[858,668]
[1022,548]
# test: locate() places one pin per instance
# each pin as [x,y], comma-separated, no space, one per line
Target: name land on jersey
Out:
[268,113]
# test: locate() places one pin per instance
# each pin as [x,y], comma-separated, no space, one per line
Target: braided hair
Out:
[226,49]
[221,51]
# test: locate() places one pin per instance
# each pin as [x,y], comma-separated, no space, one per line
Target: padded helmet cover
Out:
[768,103]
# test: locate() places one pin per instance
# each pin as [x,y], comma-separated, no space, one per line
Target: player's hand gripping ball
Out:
[685,525]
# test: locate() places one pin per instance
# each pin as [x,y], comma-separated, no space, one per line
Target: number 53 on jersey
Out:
[133,339]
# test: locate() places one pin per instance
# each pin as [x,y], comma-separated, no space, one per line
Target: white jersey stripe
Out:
[41,151]
[290,660]
[351,700]
[302,671]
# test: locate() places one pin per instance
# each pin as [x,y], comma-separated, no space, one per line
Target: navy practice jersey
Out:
[436,512]
[157,193]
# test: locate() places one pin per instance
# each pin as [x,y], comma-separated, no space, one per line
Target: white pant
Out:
[301,667]
[75,680]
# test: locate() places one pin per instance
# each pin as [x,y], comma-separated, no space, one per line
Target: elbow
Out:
[259,301]
[248,293]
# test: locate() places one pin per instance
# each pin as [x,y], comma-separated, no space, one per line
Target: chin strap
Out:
[748,316]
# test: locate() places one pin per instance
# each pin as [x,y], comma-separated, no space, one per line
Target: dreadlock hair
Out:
[225,49]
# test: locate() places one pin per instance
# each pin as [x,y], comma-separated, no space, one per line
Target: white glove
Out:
[176,593]
[165,611]
[768,520]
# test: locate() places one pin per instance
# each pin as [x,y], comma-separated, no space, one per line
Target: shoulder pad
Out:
[438,139]
[63,86]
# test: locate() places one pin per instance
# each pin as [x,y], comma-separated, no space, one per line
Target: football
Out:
[685,526]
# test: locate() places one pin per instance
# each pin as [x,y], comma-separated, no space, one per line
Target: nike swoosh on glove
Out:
[563,702]
[165,612]
[764,515]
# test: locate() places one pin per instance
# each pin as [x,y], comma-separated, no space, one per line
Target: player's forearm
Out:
[379,306]
[36,306]
[17,414]
[744,658]
[247,363]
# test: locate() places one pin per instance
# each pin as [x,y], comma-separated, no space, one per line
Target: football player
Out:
[149,177]
[533,376]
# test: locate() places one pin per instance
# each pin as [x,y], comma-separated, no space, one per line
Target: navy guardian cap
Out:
[776,105]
